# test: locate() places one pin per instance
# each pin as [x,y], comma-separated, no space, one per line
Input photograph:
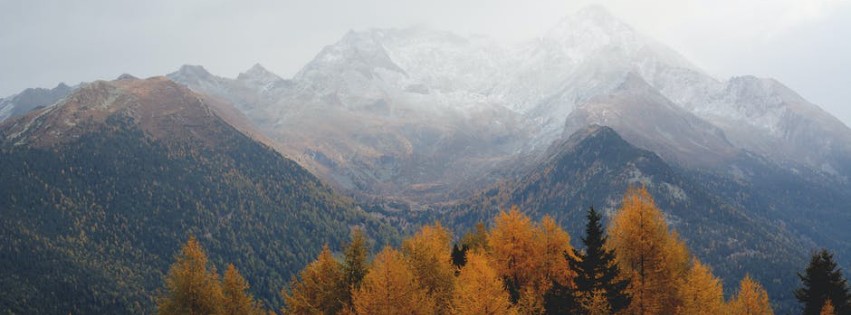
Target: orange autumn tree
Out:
[390,288]
[512,247]
[654,258]
[237,301]
[319,289]
[428,253]
[554,243]
[751,299]
[701,292]
[193,287]
[528,257]
[479,289]
[509,268]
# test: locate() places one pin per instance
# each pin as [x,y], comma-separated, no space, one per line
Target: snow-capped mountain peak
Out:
[192,73]
[260,77]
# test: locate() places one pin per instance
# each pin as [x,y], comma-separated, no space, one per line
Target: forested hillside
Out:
[92,218]
[638,265]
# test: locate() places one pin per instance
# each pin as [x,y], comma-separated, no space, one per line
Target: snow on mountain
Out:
[29,99]
[766,117]
[380,98]
[261,78]
[647,119]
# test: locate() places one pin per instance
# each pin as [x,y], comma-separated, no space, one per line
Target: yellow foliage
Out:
[321,288]
[429,254]
[479,289]
[554,243]
[531,256]
[193,289]
[530,302]
[701,292]
[751,299]
[476,239]
[391,288]
[597,304]
[237,300]
[654,259]
[512,244]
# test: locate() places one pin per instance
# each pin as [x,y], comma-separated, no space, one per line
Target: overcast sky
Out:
[805,44]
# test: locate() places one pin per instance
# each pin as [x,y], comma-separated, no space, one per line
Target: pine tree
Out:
[751,299]
[193,288]
[320,289]
[237,300]
[597,275]
[654,259]
[479,289]
[459,255]
[391,288]
[821,281]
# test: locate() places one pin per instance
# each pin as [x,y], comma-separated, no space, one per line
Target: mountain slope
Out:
[595,166]
[22,103]
[395,97]
[766,117]
[366,136]
[649,120]
[99,191]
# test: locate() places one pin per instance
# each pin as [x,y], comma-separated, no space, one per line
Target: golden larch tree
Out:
[752,299]
[237,299]
[429,254]
[193,287]
[701,292]
[554,243]
[596,303]
[654,259]
[479,289]
[320,288]
[390,288]
[477,238]
[514,250]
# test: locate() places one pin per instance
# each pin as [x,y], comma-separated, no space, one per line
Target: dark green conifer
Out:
[459,255]
[355,262]
[595,269]
[821,281]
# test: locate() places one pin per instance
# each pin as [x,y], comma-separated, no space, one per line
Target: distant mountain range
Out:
[418,125]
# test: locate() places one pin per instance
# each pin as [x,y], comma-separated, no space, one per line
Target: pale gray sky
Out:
[805,44]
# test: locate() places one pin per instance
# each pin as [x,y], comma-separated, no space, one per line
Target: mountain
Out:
[98,192]
[363,135]
[594,166]
[647,119]
[421,124]
[415,121]
[30,99]
[399,99]
[766,117]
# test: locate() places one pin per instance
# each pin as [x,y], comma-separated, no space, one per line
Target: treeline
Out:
[637,266]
